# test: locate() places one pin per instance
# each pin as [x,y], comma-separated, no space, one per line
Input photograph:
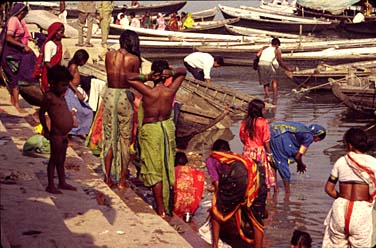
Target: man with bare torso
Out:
[157,130]
[118,107]
[349,222]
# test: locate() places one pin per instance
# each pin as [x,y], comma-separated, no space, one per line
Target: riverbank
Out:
[93,216]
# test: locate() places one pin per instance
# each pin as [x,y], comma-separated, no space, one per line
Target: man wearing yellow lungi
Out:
[157,131]
[349,222]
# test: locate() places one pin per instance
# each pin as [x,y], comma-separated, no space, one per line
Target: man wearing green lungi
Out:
[157,130]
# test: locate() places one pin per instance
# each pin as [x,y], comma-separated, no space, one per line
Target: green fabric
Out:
[37,144]
[117,129]
[158,147]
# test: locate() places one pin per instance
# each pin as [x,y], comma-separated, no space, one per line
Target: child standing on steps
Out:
[62,120]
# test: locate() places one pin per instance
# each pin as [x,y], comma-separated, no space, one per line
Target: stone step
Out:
[72,219]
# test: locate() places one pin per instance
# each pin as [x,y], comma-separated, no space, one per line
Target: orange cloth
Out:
[189,188]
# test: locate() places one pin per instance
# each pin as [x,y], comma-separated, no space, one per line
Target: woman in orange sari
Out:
[50,54]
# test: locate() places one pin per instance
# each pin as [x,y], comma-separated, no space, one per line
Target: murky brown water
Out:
[308,204]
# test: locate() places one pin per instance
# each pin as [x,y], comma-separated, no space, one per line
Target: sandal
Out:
[89,45]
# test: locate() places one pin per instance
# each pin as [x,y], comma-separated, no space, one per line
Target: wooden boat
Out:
[333,10]
[319,75]
[165,8]
[272,8]
[212,27]
[275,22]
[178,36]
[304,55]
[205,15]
[358,94]
[366,28]
[236,30]
[43,19]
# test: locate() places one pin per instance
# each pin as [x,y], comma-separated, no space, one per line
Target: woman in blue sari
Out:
[290,140]
[17,58]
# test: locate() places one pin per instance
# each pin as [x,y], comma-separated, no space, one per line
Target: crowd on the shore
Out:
[139,128]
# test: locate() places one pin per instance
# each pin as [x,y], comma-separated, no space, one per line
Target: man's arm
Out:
[42,118]
[178,77]
[280,60]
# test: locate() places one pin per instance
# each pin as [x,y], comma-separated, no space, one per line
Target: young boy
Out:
[62,121]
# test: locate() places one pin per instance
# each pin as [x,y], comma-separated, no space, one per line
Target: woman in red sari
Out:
[255,135]
[50,54]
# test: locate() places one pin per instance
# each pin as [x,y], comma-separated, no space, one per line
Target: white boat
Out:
[275,22]
[233,29]
[176,35]
[43,19]
[273,8]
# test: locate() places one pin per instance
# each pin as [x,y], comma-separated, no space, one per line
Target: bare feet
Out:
[110,183]
[20,110]
[53,190]
[123,184]
[66,186]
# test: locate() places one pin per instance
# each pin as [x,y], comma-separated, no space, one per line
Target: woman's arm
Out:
[330,188]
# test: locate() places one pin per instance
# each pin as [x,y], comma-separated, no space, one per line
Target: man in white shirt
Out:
[199,65]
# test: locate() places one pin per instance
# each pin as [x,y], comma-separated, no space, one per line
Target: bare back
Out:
[117,63]
[158,104]
[354,191]
[73,69]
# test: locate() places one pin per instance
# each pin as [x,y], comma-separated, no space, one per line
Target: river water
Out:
[307,205]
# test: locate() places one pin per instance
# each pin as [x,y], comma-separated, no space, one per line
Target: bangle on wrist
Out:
[142,77]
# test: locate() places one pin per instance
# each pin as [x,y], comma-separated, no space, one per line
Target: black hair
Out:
[301,238]
[276,41]
[159,66]
[132,14]
[78,56]
[254,111]
[58,74]
[357,138]
[221,145]
[219,60]
[180,158]
[130,42]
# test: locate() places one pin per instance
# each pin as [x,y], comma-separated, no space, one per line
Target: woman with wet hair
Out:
[349,222]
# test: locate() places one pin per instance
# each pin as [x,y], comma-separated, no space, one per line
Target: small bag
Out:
[256,62]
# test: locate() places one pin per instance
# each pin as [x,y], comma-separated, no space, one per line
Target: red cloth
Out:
[40,70]
[189,188]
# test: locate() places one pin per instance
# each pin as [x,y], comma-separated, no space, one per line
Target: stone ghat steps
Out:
[31,217]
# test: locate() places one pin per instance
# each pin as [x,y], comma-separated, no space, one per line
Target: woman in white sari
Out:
[349,222]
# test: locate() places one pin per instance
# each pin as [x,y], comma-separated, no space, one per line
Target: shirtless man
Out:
[62,121]
[118,107]
[349,222]
[157,132]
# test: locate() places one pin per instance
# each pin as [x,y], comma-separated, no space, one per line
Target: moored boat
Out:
[165,8]
[319,75]
[275,22]
[358,93]
[176,35]
[212,27]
